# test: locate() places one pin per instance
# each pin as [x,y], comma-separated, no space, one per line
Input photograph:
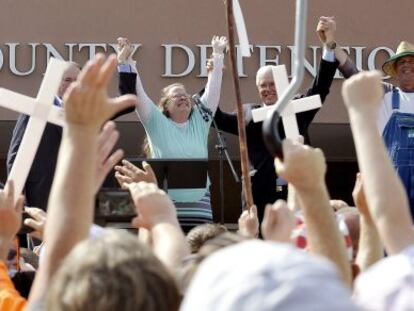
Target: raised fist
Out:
[219,44]
[363,92]
[124,50]
[326,29]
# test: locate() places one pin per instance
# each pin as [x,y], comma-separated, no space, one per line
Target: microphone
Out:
[204,111]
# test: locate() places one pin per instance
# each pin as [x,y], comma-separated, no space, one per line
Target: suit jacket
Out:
[264,180]
[41,174]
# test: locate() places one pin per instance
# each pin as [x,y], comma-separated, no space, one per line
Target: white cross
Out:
[288,114]
[40,110]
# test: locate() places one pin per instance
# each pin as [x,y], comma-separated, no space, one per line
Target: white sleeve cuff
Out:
[129,68]
[328,55]
[219,55]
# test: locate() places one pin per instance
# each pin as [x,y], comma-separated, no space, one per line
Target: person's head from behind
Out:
[338,204]
[202,233]
[176,103]
[191,263]
[69,76]
[351,217]
[266,85]
[388,284]
[258,275]
[112,272]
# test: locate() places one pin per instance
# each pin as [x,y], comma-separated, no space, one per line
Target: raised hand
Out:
[106,161]
[37,222]
[219,44]
[128,173]
[156,212]
[363,93]
[359,197]
[303,166]
[86,101]
[249,222]
[124,51]
[278,222]
[153,205]
[326,29]
[10,217]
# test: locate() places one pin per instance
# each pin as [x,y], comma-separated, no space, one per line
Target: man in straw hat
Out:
[396,115]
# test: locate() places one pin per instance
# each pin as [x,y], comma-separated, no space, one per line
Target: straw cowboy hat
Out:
[404,49]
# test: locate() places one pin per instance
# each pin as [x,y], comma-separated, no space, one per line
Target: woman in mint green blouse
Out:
[175,127]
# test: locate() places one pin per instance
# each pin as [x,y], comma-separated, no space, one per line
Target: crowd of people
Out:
[294,250]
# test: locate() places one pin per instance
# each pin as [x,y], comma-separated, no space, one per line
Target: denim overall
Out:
[398,135]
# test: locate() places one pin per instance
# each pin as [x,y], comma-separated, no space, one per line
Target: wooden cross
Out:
[235,16]
[288,114]
[40,110]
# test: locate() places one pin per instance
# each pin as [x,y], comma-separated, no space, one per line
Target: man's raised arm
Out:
[304,167]
[70,209]
[385,194]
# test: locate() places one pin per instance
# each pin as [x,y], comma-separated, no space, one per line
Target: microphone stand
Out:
[221,147]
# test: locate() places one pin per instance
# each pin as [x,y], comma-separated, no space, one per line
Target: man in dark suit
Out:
[265,187]
[41,174]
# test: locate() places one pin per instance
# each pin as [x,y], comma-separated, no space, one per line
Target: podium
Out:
[115,208]
[177,173]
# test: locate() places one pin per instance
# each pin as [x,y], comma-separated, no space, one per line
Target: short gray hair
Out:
[264,70]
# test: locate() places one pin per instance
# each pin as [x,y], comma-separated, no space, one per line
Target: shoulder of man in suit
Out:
[247,110]
[250,106]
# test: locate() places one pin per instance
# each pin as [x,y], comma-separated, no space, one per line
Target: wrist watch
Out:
[331,45]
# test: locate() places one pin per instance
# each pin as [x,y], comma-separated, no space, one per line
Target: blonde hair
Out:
[162,104]
[146,149]
[165,99]
[190,264]
[113,272]
[203,233]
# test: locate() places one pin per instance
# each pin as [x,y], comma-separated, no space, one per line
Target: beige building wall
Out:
[368,23]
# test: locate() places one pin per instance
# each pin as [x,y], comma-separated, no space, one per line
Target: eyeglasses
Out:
[179,96]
